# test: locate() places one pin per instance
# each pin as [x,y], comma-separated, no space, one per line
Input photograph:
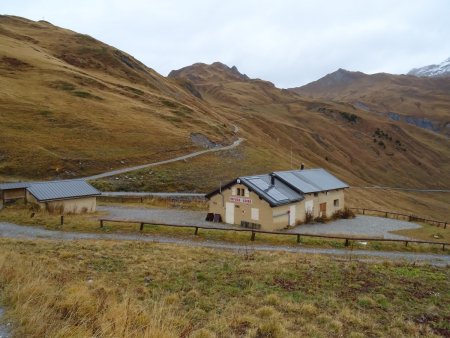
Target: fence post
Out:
[386,215]
[364,211]
[443,247]
[253,236]
[409,218]
[101,223]
[196,231]
[445,225]
[347,243]
[141,227]
[62,219]
[406,243]
[298,238]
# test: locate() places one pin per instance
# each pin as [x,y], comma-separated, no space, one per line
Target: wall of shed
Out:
[12,194]
[74,206]
[325,197]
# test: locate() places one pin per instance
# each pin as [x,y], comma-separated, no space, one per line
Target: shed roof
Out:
[310,180]
[58,190]
[14,185]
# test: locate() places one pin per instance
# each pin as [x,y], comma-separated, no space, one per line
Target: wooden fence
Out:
[253,232]
[397,215]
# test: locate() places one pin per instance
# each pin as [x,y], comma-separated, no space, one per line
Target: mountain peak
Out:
[202,72]
[440,70]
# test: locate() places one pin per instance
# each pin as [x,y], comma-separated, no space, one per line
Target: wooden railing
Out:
[397,215]
[253,232]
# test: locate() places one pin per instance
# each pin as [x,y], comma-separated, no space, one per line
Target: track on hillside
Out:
[154,164]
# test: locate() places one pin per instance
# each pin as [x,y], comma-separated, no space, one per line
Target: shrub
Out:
[321,219]
[309,217]
[345,213]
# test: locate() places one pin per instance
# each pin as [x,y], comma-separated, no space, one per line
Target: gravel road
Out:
[9,230]
[367,226]
[180,158]
[4,327]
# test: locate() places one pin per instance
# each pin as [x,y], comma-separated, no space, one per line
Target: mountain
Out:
[440,70]
[422,102]
[71,106]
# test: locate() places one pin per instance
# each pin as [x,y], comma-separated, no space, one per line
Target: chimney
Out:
[302,166]
[272,179]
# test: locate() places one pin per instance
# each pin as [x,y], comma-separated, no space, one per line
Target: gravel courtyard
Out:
[366,226]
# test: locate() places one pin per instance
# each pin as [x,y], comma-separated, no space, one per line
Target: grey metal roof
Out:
[58,190]
[14,185]
[277,194]
[310,180]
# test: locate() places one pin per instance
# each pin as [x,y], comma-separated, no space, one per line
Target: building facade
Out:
[278,200]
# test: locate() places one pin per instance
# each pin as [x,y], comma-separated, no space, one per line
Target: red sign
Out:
[244,200]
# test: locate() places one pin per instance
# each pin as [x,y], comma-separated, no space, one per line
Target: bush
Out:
[309,217]
[321,219]
[345,213]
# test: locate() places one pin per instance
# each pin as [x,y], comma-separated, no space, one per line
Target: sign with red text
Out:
[237,199]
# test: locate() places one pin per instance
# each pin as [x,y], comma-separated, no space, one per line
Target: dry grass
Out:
[110,289]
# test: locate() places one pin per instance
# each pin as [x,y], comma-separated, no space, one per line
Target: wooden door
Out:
[323,210]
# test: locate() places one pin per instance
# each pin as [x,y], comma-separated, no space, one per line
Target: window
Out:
[239,191]
[336,203]
[316,194]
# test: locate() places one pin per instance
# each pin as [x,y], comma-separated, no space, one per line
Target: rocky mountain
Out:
[422,102]
[440,70]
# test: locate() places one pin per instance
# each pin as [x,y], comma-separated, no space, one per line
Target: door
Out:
[229,213]
[323,210]
[292,215]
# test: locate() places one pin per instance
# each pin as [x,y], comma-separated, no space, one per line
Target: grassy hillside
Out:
[71,105]
[110,289]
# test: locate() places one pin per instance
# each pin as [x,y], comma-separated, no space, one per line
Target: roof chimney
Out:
[302,166]
[272,179]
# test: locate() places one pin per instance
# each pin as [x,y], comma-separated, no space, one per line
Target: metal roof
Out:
[14,185]
[58,190]
[277,194]
[310,180]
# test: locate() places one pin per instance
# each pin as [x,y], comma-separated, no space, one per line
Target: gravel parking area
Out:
[366,226]
[160,216]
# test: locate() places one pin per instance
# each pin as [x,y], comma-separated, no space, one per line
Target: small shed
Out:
[277,200]
[13,191]
[70,196]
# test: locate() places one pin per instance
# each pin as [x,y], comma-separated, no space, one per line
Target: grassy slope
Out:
[125,289]
[72,105]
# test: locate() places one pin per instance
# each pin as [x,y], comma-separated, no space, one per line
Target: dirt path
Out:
[4,327]
[9,230]
[180,158]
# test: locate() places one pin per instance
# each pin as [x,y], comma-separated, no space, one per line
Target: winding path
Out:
[154,164]
[9,230]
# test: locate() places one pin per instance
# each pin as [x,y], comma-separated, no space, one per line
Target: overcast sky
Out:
[287,42]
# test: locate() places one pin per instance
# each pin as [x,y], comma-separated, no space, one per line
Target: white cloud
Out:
[287,42]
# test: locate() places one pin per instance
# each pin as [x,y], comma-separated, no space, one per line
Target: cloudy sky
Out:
[288,42]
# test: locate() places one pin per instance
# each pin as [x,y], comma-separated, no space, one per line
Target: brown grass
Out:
[110,289]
